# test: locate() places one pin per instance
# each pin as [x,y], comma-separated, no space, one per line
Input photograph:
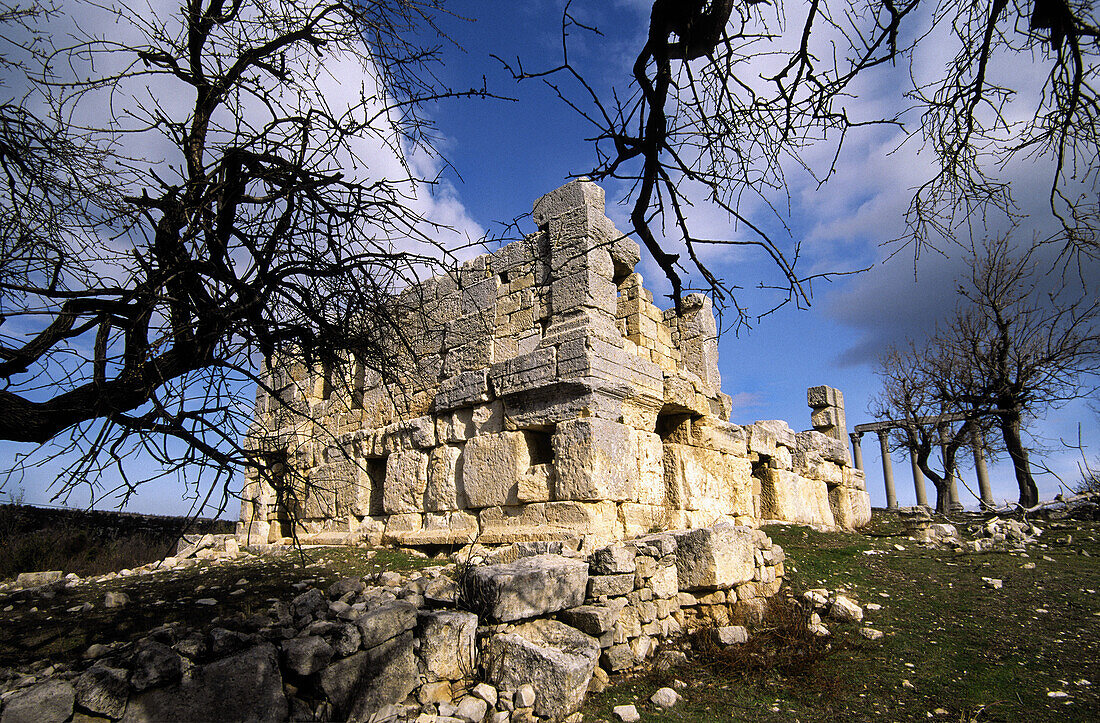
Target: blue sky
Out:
[506,154]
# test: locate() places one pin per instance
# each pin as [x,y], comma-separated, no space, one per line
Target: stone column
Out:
[918,480]
[977,442]
[857,451]
[887,470]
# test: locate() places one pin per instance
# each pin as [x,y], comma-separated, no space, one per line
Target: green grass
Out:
[970,653]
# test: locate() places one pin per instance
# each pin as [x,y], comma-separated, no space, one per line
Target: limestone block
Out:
[812,442]
[720,436]
[639,519]
[854,478]
[595,460]
[522,373]
[714,557]
[665,582]
[823,396]
[444,489]
[535,484]
[493,465]
[530,587]
[462,390]
[416,433]
[471,356]
[406,481]
[432,528]
[790,497]
[556,659]
[761,440]
[705,480]
[784,435]
[613,560]
[581,193]
[594,619]
[245,686]
[782,459]
[364,682]
[47,702]
[651,468]
[447,644]
[385,622]
[679,393]
[597,521]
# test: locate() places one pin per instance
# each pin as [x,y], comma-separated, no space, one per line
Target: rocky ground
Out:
[1001,630]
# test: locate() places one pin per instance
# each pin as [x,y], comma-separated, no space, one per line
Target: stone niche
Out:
[541,396]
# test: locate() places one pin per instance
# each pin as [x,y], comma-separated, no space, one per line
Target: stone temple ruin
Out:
[544,397]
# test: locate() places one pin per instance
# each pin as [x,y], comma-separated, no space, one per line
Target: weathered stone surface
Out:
[530,586]
[719,556]
[596,460]
[362,683]
[35,579]
[845,610]
[612,560]
[49,702]
[155,664]
[406,481]
[306,655]
[556,659]
[730,635]
[665,698]
[385,622]
[598,521]
[103,689]
[595,620]
[785,495]
[447,644]
[707,480]
[444,490]
[243,687]
[610,585]
[493,465]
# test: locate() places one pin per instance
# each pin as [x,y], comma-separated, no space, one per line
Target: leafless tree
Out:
[1013,350]
[722,98]
[914,395]
[184,200]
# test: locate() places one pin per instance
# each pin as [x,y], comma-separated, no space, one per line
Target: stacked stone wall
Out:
[535,627]
[542,394]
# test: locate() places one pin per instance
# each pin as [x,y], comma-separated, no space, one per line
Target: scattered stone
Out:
[730,635]
[665,698]
[845,610]
[525,696]
[871,633]
[626,713]
[114,600]
[155,664]
[486,692]
[206,601]
[992,583]
[472,709]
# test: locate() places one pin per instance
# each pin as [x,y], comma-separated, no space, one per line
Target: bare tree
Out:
[914,395]
[1012,351]
[189,201]
[722,99]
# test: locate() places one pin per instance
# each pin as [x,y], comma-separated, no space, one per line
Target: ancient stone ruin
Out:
[543,396]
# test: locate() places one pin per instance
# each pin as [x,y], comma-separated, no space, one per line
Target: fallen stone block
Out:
[447,644]
[529,587]
[555,658]
[48,702]
[364,682]
[243,687]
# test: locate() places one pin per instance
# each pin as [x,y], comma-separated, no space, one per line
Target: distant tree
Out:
[929,422]
[725,95]
[183,199]
[1012,351]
